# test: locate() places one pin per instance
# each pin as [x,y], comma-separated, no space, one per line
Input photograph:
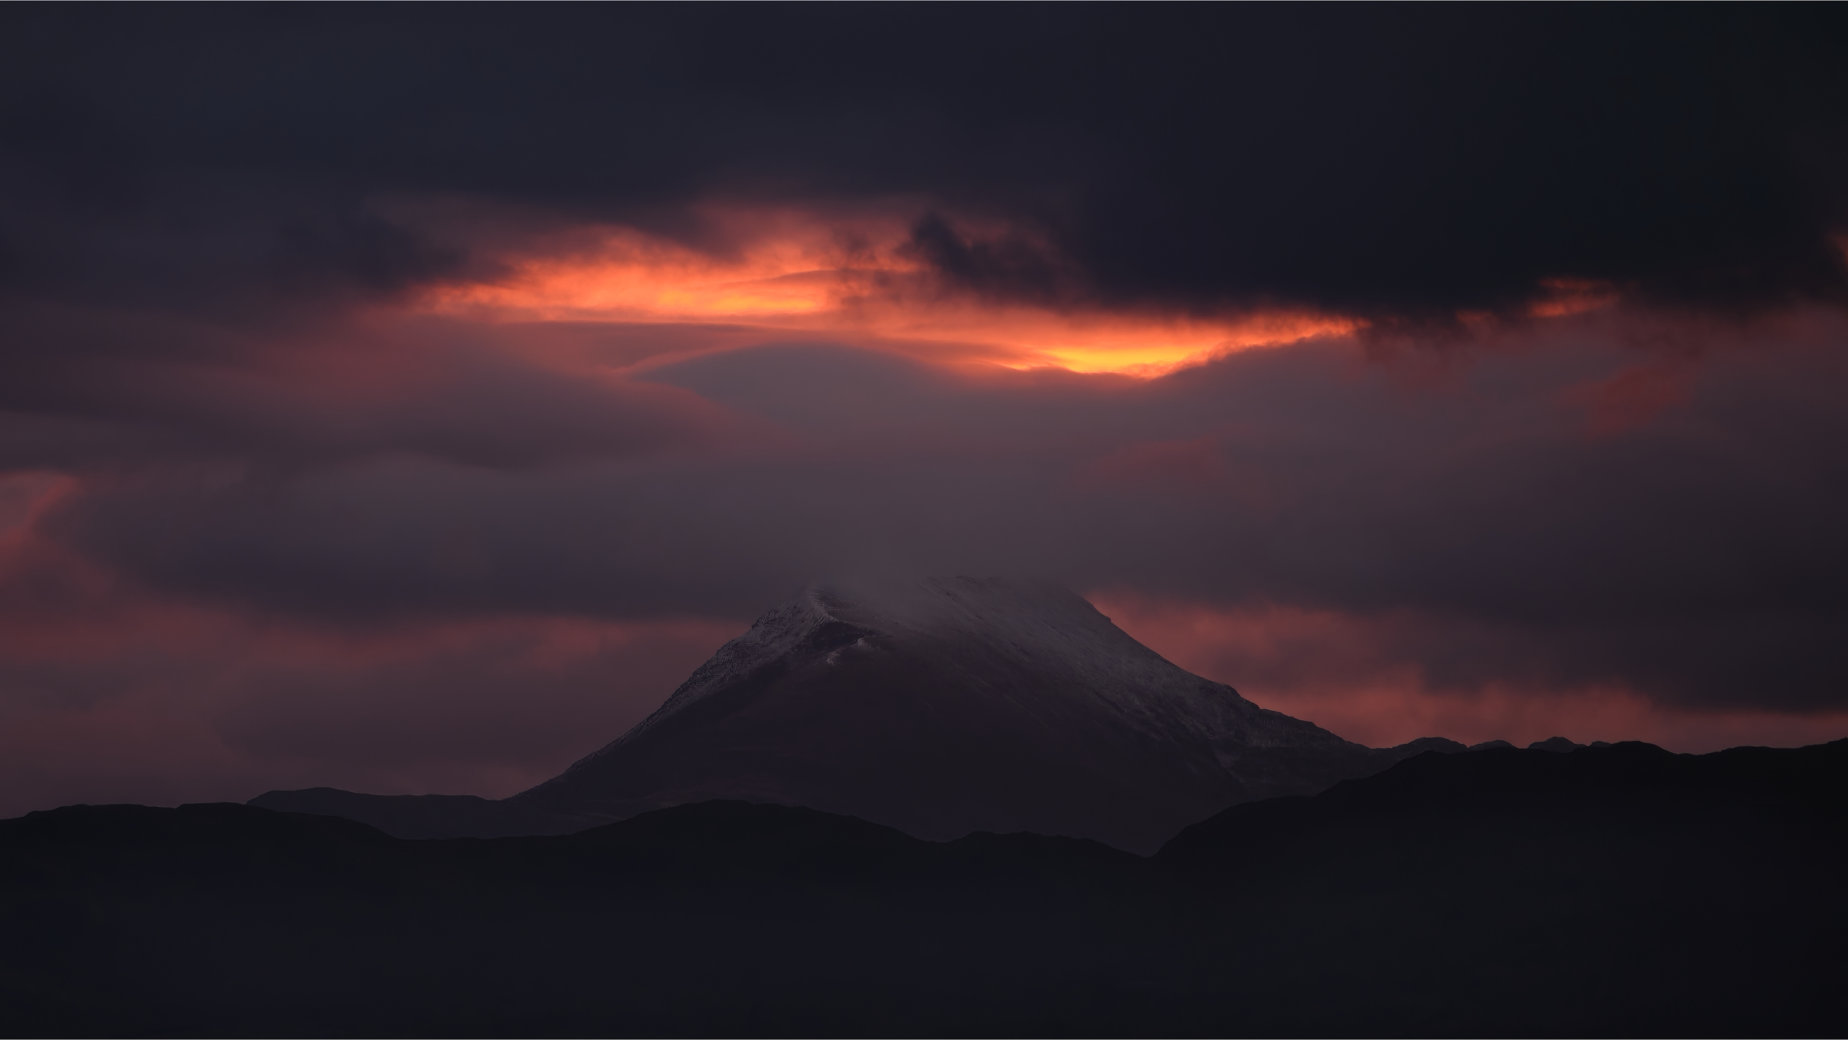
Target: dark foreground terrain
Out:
[1617,890]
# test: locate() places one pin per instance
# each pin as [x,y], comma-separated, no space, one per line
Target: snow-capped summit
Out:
[949,705]
[1020,621]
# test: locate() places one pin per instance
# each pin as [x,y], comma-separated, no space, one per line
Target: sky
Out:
[407,399]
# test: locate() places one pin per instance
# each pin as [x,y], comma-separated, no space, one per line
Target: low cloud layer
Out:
[1506,525]
[1493,488]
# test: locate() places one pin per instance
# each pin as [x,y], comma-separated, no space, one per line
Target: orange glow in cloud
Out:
[797,275]
[1568,296]
[630,276]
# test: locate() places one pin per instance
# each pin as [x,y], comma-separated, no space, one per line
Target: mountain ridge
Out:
[940,706]
[1623,890]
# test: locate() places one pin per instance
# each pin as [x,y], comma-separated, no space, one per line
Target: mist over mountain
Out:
[939,706]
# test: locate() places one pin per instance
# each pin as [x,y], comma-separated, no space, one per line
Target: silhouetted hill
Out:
[424,815]
[1605,891]
[1617,890]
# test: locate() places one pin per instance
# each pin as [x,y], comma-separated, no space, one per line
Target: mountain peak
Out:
[927,603]
[940,706]
[945,705]
[851,617]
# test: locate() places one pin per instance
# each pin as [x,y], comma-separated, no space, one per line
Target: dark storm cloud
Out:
[1399,163]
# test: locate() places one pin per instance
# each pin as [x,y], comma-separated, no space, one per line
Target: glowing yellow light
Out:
[799,279]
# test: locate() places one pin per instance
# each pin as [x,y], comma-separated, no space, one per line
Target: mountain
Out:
[1617,891]
[938,706]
